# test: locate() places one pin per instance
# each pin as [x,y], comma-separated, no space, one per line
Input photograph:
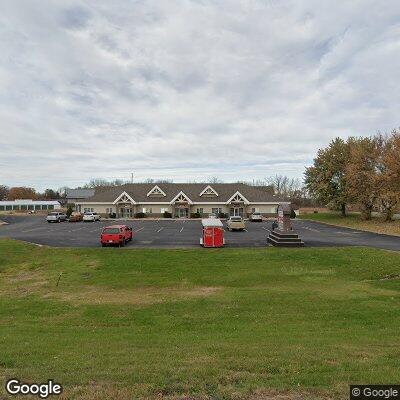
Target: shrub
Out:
[69,211]
[195,215]
[221,215]
[167,214]
[292,213]
[113,215]
[140,215]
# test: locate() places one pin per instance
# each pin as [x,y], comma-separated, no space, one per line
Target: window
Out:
[1,208]
[164,209]
[89,209]
[147,210]
[216,210]
[109,210]
[16,207]
[8,208]
[199,211]
[51,207]
[37,207]
[30,207]
[255,210]
[44,207]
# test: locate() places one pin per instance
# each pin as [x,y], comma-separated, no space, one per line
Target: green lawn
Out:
[354,220]
[215,324]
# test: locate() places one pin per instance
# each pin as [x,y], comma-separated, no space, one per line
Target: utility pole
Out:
[132,177]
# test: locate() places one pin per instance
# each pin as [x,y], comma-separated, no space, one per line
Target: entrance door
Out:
[236,212]
[183,213]
[125,212]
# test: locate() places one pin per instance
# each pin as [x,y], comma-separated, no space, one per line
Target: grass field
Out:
[353,220]
[224,324]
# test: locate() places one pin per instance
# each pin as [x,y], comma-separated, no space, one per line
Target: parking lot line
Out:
[160,230]
[31,230]
[181,229]
[137,230]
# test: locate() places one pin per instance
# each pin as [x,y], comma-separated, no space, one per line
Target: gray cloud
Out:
[188,89]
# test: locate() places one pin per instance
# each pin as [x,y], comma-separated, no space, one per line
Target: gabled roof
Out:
[156,191]
[139,191]
[180,196]
[237,197]
[208,190]
[125,197]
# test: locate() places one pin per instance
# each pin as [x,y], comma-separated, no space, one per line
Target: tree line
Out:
[361,171]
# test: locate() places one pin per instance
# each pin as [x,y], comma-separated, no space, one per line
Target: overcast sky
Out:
[189,89]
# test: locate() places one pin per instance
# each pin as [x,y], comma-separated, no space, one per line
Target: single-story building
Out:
[75,195]
[180,199]
[29,205]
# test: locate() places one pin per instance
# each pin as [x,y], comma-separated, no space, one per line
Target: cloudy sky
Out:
[189,89]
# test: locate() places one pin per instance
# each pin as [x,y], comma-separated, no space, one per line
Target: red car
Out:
[116,234]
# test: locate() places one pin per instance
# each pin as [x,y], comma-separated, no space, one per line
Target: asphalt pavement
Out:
[183,233]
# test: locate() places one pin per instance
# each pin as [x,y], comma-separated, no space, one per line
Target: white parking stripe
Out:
[160,230]
[181,229]
[140,229]
[31,230]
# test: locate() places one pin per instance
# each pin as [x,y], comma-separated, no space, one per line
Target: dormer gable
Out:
[208,192]
[156,192]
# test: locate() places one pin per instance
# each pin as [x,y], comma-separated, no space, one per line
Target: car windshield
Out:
[88,213]
[53,213]
[111,230]
[256,213]
[236,219]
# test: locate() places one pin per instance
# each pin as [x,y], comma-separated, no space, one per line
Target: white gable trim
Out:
[121,196]
[239,195]
[183,195]
[154,189]
[208,188]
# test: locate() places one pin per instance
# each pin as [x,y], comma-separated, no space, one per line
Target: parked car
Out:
[116,234]
[56,216]
[256,217]
[90,216]
[75,217]
[235,224]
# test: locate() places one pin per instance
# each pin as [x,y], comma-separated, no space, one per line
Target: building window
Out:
[89,209]
[255,210]
[16,207]
[8,208]
[51,207]
[216,210]
[147,210]
[200,211]
[37,207]
[1,208]
[109,210]
[164,210]
[44,207]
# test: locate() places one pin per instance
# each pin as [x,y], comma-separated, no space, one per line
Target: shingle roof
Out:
[79,193]
[138,192]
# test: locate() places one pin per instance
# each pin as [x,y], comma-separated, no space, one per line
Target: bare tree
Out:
[4,191]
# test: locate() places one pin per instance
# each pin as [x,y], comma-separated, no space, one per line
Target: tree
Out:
[363,170]
[389,180]
[4,191]
[51,194]
[326,178]
[215,179]
[22,193]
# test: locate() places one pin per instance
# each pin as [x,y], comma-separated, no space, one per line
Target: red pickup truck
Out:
[116,234]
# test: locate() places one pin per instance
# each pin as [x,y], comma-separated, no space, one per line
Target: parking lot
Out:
[182,233]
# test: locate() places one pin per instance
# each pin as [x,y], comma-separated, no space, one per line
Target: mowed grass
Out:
[354,220]
[217,324]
